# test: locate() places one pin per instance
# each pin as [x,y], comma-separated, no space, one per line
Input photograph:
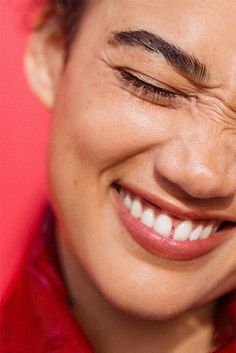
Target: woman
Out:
[142,180]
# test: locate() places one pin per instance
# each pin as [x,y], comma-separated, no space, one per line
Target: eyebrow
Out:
[182,61]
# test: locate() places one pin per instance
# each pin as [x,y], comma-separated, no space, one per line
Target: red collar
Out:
[37,317]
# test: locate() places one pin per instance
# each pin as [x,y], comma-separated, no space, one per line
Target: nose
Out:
[198,165]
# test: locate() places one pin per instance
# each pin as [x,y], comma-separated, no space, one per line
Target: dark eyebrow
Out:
[185,63]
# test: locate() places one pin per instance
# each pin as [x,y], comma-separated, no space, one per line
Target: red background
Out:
[23,139]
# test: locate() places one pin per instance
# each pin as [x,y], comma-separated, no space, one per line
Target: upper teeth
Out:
[166,225]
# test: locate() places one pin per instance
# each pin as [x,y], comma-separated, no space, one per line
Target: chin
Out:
[161,308]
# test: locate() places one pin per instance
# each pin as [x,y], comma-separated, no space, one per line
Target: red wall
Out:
[23,139]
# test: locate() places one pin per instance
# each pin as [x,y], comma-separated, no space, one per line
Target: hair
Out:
[68,13]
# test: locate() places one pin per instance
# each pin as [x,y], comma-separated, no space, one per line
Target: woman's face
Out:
[137,118]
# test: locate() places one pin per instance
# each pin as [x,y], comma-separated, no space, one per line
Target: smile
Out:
[166,235]
[167,225]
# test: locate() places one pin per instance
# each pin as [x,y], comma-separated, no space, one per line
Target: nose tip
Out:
[201,184]
[202,176]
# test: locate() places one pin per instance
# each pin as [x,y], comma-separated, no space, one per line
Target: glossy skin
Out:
[104,131]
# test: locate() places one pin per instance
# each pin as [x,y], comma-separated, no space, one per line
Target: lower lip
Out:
[165,247]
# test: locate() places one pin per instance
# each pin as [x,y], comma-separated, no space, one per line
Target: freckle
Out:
[75,182]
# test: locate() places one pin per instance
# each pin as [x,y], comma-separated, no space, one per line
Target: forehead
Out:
[203,28]
[191,14]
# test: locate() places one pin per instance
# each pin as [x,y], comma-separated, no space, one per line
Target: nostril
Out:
[203,187]
[203,184]
[198,173]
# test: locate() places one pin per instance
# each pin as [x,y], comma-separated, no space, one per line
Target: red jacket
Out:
[36,318]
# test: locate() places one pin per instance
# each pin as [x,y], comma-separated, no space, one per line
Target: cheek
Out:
[108,126]
[90,135]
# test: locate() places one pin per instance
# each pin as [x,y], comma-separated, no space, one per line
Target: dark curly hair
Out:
[68,14]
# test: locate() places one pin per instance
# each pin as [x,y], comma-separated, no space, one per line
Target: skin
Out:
[102,131]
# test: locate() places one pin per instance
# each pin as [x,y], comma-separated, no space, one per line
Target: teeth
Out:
[163,225]
[148,217]
[122,194]
[195,234]
[128,201]
[183,230]
[136,209]
[216,227]
[206,232]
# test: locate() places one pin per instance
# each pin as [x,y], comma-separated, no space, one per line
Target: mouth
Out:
[164,233]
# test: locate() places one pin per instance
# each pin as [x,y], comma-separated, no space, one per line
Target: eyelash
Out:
[149,92]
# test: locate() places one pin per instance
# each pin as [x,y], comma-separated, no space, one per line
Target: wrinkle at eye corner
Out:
[218,111]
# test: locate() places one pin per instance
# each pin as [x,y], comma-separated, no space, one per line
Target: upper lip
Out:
[172,209]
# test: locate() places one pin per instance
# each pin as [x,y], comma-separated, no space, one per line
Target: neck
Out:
[111,330]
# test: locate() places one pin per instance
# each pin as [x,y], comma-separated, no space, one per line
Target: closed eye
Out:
[148,91]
